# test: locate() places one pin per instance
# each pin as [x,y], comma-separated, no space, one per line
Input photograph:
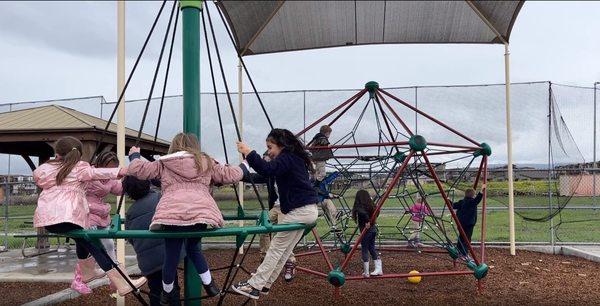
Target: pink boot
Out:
[77,284]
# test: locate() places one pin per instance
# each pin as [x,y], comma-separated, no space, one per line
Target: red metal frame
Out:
[429,117]
[481,174]
[355,97]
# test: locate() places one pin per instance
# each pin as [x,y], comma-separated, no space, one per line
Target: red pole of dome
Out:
[483,209]
[353,98]
[429,117]
[449,205]
[395,114]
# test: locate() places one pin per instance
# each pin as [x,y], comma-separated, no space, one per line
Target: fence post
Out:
[550,170]
[594,163]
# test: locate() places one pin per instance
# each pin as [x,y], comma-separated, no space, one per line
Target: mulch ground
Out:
[534,278]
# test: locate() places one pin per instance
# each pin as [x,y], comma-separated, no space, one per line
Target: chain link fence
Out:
[554,145]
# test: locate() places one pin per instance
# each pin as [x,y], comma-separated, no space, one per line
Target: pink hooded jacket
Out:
[66,202]
[419,211]
[186,198]
[95,192]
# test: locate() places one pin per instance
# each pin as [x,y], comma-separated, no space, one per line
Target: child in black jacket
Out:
[150,253]
[466,211]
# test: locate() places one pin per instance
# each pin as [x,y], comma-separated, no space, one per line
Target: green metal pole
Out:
[190,11]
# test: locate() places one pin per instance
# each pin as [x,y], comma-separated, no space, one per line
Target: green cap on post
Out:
[485,150]
[371,87]
[190,3]
[417,143]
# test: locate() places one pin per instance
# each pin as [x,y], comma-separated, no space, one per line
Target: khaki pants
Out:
[329,209]
[319,170]
[265,240]
[281,247]
[416,227]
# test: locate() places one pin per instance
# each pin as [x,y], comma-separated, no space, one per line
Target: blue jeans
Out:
[368,245]
[173,252]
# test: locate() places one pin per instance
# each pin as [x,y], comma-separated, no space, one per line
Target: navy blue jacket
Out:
[259,179]
[466,210]
[150,253]
[291,176]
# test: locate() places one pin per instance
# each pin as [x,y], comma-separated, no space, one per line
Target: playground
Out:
[376,195]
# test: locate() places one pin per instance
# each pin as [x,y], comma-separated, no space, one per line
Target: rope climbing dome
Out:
[392,162]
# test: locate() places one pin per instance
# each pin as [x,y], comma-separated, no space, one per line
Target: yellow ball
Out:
[414,279]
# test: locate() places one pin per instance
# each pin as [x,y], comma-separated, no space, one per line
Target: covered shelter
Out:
[261,27]
[31,133]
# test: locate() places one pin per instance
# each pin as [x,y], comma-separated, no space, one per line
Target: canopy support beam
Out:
[509,166]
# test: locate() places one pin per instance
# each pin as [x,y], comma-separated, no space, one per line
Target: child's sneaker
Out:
[265,291]
[243,288]
[290,271]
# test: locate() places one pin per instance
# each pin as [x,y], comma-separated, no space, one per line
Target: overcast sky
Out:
[54,50]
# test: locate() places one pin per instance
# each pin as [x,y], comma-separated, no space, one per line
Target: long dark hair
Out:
[70,150]
[288,141]
[362,203]
[105,158]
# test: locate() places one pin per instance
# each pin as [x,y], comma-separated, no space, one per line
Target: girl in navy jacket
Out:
[290,165]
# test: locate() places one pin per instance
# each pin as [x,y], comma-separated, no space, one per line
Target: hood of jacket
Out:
[183,164]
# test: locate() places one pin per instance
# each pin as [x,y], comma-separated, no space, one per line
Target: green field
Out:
[497,221]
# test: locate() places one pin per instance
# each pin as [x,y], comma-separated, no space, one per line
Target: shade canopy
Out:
[276,26]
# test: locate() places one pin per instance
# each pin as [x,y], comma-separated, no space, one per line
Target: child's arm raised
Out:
[275,167]
[143,170]
[84,172]
[226,174]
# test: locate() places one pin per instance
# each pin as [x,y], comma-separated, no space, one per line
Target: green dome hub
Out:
[336,278]
[399,157]
[481,271]
[453,251]
[345,248]
[371,86]
[417,143]
[485,149]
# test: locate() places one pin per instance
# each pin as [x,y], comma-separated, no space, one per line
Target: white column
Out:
[511,198]
[121,119]
[241,125]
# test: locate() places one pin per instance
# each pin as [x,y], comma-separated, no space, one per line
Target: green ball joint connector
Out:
[371,86]
[485,150]
[417,143]
[336,278]
[345,248]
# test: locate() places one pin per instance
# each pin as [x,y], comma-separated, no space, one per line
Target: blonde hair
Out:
[189,143]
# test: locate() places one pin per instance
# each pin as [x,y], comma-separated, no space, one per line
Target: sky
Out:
[52,50]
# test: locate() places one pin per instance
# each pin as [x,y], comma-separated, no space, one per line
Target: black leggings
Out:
[83,247]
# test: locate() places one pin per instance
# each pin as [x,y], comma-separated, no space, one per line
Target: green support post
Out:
[190,11]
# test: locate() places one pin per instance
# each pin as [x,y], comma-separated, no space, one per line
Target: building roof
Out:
[58,118]
[276,26]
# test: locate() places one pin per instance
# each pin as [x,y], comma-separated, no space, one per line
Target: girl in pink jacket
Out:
[99,216]
[186,204]
[418,212]
[62,207]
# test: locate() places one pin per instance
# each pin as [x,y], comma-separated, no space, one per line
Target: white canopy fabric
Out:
[262,27]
